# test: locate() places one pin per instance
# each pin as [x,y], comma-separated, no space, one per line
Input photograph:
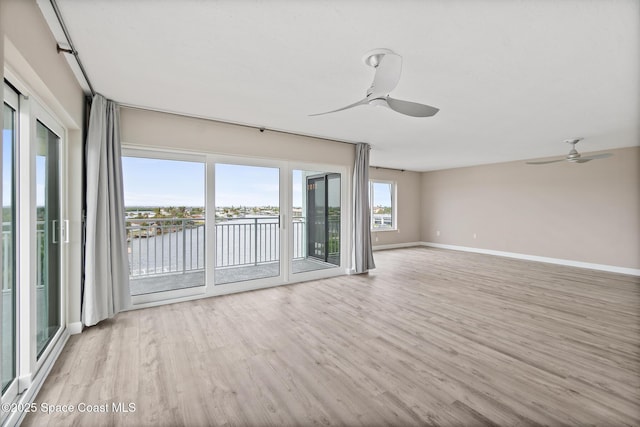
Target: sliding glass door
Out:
[165,222]
[48,236]
[214,224]
[34,235]
[247,223]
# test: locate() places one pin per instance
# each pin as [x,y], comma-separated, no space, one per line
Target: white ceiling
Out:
[512,79]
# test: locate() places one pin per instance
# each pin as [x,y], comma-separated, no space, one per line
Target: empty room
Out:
[331,212]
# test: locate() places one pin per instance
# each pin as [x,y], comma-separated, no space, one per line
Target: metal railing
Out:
[165,245]
[177,245]
[247,241]
[8,253]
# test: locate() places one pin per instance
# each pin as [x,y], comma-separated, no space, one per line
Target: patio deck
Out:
[170,282]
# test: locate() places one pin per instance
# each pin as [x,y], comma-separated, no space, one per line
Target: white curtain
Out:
[362,251]
[106,288]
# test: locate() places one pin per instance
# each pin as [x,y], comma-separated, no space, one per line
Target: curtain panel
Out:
[362,250]
[106,289]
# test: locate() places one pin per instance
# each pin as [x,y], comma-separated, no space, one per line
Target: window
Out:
[382,199]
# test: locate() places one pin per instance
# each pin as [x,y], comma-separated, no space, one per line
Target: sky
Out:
[155,182]
[381,194]
[6,168]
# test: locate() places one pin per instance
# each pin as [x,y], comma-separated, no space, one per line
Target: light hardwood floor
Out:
[431,337]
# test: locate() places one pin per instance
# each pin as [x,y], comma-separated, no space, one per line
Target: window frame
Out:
[394,205]
[175,295]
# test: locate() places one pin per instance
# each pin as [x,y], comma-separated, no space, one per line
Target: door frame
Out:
[38,113]
[345,221]
[283,199]
[144,300]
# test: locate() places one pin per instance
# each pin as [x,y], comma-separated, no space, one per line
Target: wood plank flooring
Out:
[431,337]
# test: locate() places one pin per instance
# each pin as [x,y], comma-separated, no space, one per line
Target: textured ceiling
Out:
[512,79]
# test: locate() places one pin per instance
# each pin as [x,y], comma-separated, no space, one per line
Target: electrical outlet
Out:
[475,236]
[437,232]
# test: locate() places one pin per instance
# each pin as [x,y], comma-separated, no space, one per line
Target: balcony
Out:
[169,253]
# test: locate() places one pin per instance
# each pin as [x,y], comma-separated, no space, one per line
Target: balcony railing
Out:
[8,252]
[177,245]
[165,245]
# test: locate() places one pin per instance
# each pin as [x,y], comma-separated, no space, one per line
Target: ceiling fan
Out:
[574,156]
[388,66]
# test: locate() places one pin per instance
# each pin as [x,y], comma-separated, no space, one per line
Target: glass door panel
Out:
[247,228]
[48,234]
[165,223]
[333,218]
[8,333]
[316,218]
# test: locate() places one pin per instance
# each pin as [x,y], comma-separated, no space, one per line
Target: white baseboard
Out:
[396,246]
[74,328]
[559,261]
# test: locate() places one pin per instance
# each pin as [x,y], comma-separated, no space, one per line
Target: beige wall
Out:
[408,207]
[582,212]
[28,34]
[162,130]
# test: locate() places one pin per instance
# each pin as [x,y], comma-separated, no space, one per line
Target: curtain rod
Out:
[72,49]
[262,129]
[391,169]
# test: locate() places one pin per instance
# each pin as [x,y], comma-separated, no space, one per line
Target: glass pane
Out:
[247,223]
[315,220]
[382,205]
[333,219]
[165,219]
[8,250]
[47,237]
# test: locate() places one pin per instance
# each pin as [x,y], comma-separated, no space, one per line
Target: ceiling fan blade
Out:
[596,156]
[581,161]
[546,162]
[355,104]
[412,109]
[387,75]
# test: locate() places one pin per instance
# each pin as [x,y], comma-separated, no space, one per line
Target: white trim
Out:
[74,328]
[166,297]
[397,246]
[558,261]
[162,154]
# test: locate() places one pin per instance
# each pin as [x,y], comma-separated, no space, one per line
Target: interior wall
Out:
[28,36]
[586,212]
[170,131]
[408,195]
